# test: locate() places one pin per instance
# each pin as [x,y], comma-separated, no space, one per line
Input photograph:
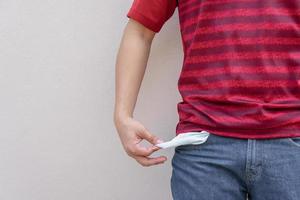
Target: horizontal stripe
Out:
[188,5]
[238,15]
[253,5]
[257,61]
[244,101]
[248,41]
[242,27]
[244,49]
[246,77]
[258,70]
[255,33]
[242,55]
[257,130]
[254,92]
[212,5]
[260,84]
[211,117]
[235,111]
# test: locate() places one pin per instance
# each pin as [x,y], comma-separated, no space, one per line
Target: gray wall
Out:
[57,137]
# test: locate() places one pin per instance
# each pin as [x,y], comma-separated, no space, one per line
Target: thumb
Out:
[153,139]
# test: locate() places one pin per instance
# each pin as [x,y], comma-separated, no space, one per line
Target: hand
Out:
[131,133]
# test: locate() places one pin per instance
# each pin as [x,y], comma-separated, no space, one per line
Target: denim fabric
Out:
[227,168]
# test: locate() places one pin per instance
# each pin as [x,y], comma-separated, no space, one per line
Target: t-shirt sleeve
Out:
[152,13]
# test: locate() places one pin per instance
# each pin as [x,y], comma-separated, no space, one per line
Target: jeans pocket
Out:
[294,141]
[192,146]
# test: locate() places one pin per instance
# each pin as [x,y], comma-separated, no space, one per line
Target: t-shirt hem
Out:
[284,132]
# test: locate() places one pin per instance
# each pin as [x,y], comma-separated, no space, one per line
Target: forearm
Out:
[131,63]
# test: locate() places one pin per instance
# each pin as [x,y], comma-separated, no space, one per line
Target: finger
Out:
[139,150]
[153,139]
[155,148]
[147,161]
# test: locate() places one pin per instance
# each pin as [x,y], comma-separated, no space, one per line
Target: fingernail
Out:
[160,141]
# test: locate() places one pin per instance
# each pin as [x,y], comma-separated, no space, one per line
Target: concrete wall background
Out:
[57,138]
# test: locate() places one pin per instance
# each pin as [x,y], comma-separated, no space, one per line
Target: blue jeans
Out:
[226,168]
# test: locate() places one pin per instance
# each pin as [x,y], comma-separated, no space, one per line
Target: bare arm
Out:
[131,63]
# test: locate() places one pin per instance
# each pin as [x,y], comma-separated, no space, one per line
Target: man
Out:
[240,81]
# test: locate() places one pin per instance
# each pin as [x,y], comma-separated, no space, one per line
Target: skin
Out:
[131,62]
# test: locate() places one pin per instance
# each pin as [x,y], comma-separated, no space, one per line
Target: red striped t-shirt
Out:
[241,69]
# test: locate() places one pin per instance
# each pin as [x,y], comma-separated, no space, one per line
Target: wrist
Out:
[121,118]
